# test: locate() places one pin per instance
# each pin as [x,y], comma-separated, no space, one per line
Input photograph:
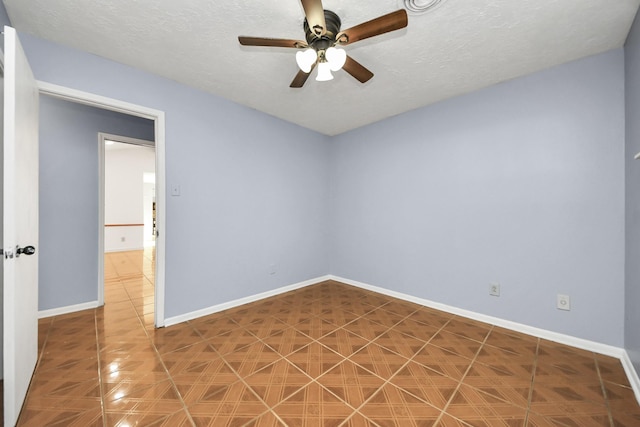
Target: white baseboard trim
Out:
[583,344]
[227,305]
[519,327]
[632,374]
[68,309]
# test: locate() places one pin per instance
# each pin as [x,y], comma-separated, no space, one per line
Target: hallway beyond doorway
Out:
[129,276]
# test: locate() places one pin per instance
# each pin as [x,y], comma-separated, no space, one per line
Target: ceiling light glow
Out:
[324,72]
[306,58]
[336,58]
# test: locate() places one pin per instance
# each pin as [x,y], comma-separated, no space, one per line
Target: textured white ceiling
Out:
[457,47]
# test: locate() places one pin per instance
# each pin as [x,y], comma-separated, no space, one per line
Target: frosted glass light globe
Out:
[324,72]
[306,58]
[336,58]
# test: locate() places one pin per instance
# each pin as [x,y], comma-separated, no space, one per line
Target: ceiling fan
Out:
[323,38]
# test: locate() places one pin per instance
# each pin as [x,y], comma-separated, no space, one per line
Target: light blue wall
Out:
[632,262]
[69,196]
[4,18]
[253,188]
[521,183]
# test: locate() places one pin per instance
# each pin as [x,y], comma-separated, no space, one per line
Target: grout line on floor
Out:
[100,382]
[604,391]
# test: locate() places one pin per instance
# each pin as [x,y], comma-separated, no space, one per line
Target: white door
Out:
[20,228]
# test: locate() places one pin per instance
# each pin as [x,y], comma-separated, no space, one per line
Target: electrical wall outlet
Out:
[494,289]
[564,302]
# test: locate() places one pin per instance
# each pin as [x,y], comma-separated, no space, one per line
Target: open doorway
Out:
[157,119]
[128,218]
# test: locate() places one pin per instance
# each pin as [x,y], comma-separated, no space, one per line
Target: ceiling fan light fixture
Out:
[324,72]
[306,58]
[336,58]
[323,37]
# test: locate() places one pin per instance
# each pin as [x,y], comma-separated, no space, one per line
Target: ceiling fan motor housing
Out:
[327,40]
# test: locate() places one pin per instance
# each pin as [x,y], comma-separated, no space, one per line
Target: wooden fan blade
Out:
[383,24]
[300,78]
[357,70]
[314,11]
[263,41]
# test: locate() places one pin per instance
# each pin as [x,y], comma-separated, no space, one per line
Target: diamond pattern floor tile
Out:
[382,362]
[343,342]
[611,370]
[357,307]
[133,418]
[431,317]
[496,356]
[443,361]
[400,343]
[160,398]
[426,384]
[468,328]
[567,394]
[399,307]
[252,358]
[456,344]
[287,341]
[266,327]
[315,327]
[338,317]
[212,326]
[391,406]
[416,329]
[315,359]
[56,417]
[174,337]
[234,405]
[278,381]
[358,420]
[477,408]
[512,341]
[313,406]
[233,340]
[351,383]
[366,328]
[508,385]
[328,354]
[268,419]
[204,378]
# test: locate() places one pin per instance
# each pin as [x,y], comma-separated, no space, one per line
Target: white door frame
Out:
[102,137]
[86,98]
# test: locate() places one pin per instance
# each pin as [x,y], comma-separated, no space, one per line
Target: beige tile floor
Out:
[325,355]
